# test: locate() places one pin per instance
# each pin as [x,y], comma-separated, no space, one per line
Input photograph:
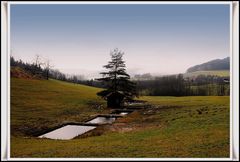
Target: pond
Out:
[67,132]
[102,120]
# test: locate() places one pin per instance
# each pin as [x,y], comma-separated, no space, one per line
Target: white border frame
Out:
[4,81]
[233,70]
[235,80]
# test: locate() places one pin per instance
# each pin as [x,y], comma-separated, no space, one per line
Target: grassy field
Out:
[37,105]
[171,127]
[221,73]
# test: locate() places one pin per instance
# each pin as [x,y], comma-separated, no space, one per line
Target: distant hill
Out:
[218,64]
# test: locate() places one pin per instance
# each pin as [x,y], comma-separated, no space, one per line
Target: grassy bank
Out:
[37,105]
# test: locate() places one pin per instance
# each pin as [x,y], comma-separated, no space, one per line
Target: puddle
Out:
[102,120]
[135,103]
[67,132]
[123,113]
[70,131]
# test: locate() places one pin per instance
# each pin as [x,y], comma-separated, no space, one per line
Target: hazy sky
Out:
[160,39]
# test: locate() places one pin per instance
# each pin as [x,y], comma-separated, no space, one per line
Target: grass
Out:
[37,105]
[221,73]
[171,127]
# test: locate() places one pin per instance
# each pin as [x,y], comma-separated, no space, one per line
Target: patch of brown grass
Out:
[18,72]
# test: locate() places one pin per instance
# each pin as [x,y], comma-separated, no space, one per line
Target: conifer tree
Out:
[117,79]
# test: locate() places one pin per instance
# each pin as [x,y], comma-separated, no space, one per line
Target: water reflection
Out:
[67,132]
[123,113]
[102,120]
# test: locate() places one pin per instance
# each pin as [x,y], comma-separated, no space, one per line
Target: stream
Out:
[68,132]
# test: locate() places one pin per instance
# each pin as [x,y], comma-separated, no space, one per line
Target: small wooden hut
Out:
[115,100]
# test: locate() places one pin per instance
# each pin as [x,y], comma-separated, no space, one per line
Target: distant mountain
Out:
[218,64]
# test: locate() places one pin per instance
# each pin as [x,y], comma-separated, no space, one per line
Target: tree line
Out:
[177,85]
[174,85]
[44,70]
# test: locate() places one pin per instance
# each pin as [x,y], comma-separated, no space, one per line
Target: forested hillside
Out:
[218,64]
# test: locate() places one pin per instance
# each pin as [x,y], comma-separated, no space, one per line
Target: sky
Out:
[156,38]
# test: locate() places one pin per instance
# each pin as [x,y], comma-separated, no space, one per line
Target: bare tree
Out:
[47,66]
[37,60]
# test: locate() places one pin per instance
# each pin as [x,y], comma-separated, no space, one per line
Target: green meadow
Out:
[171,127]
[221,73]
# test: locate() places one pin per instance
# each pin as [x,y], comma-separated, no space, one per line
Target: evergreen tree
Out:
[116,79]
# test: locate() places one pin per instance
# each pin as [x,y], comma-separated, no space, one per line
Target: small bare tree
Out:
[47,66]
[37,63]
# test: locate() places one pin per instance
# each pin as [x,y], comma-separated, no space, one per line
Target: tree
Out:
[47,68]
[36,69]
[119,86]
